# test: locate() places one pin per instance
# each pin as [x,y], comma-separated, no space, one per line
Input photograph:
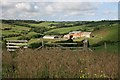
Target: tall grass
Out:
[57,63]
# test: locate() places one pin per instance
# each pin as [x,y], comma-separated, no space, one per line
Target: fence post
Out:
[8,45]
[85,44]
[42,42]
[105,45]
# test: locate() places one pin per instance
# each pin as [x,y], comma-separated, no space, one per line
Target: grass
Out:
[68,29]
[13,38]
[14,30]
[44,24]
[57,63]
[109,48]
[5,26]
[30,34]
[20,29]
[8,33]
[34,40]
[104,34]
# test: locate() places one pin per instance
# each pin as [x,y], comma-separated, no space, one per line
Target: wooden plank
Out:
[17,43]
[74,47]
[61,43]
[17,40]
[25,47]
[67,47]
[10,49]
[13,46]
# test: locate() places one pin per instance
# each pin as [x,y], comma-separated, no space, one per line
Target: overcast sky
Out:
[60,11]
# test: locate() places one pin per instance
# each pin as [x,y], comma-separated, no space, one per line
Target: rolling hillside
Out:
[69,29]
[105,33]
[34,30]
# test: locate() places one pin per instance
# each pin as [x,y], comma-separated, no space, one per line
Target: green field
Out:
[105,33]
[69,29]
[33,31]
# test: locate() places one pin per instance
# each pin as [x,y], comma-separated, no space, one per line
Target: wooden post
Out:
[105,45]
[85,44]
[8,45]
[42,42]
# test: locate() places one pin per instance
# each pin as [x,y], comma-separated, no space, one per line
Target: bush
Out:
[37,36]
[35,45]
[40,29]
[24,38]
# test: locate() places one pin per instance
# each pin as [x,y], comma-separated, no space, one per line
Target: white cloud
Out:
[60,0]
[41,10]
[26,7]
[22,6]
[109,12]
[70,8]
[49,9]
[17,9]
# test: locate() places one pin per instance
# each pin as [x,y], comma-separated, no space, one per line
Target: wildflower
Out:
[95,74]
[101,71]
[81,71]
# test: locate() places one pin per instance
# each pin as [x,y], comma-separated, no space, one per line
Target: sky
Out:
[59,11]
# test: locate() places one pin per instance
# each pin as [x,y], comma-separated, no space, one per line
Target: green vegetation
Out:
[56,62]
[69,29]
[105,34]
[33,31]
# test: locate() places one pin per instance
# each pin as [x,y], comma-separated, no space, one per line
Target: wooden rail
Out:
[61,43]
[17,41]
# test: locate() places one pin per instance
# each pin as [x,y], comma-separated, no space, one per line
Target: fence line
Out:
[12,45]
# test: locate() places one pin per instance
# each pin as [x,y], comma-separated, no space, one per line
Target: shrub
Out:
[24,38]
[35,45]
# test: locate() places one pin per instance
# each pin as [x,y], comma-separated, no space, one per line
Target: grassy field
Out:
[60,63]
[69,29]
[112,48]
[20,29]
[44,24]
[104,34]
[57,63]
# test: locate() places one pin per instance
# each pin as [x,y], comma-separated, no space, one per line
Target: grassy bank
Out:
[57,63]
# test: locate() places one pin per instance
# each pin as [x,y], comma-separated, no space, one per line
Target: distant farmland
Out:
[34,31]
